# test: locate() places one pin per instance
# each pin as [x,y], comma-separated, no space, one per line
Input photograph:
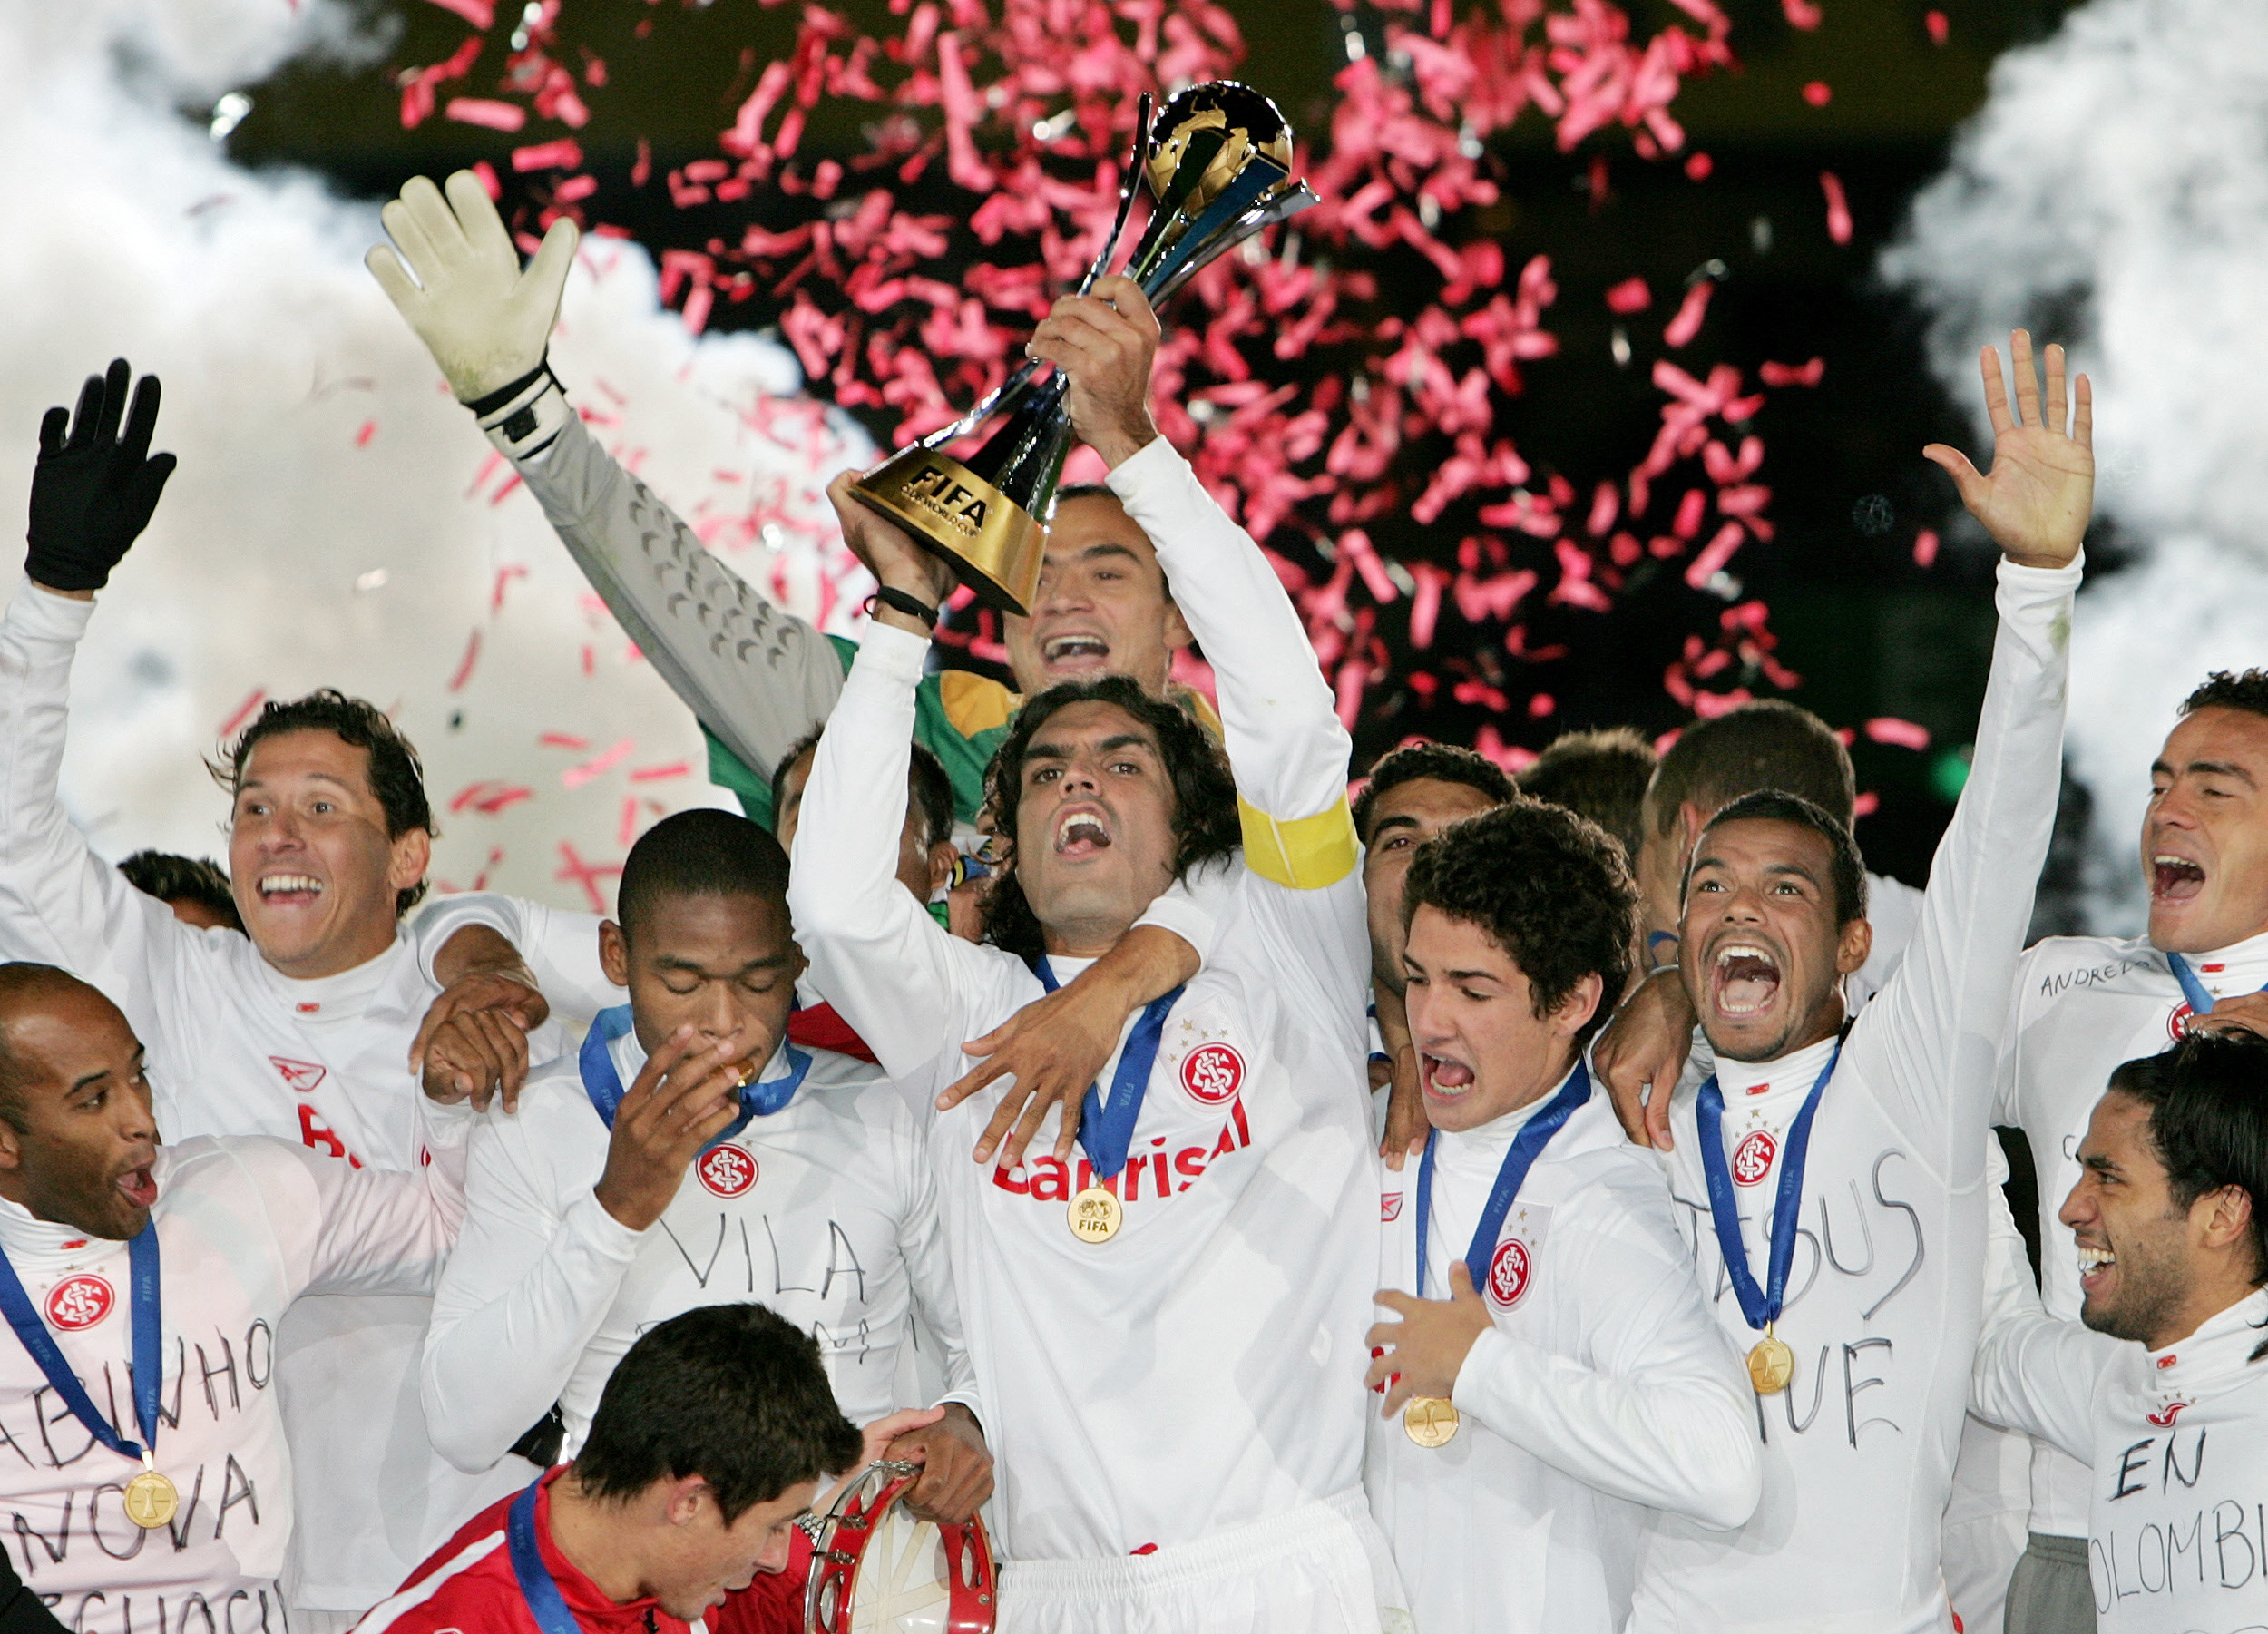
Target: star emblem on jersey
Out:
[1211,1072]
[1509,1270]
[1752,1159]
[726,1170]
[2177,1025]
[300,1075]
[80,1301]
[2165,1416]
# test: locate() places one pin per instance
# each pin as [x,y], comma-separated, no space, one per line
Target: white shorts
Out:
[1323,1568]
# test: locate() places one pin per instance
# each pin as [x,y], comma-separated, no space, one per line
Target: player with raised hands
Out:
[1809,1128]
[1200,1470]
[300,1027]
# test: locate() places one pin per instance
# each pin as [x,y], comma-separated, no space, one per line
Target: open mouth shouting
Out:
[2175,878]
[295,890]
[1445,1079]
[1081,832]
[1744,980]
[2095,1268]
[1074,652]
[137,1185]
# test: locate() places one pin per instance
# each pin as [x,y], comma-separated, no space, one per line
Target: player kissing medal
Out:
[1771,1363]
[1105,1131]
[1433,1421]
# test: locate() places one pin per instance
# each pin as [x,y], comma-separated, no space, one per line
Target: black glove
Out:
[92,494]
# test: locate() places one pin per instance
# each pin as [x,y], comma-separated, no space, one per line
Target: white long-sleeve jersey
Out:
[1885,1297]
[2178,1440]
[824,1210]
[1604,1390]
[245,1227]
[2083,1006]
[235,1048]
[1201,1370]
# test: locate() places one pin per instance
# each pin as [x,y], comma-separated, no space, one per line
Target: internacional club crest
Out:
[726,1170]
[1511,1267]
[1752,1159]
[80,1301]
[1212,1072]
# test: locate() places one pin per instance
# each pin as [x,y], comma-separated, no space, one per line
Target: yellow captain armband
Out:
[1305,854]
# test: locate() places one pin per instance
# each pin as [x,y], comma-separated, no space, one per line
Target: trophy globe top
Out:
[1253,125]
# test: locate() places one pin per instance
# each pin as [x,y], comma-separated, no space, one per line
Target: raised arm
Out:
[757,677]
[1937,1024]
[93,492]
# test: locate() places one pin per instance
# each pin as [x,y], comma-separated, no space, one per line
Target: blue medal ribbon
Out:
[1511,1175]
[1760,1306]
[603,1084]
[2200,1001]
[1105,1131]
[142,1313]
[538,1587]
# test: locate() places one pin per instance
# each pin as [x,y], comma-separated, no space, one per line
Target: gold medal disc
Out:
[1770,1364]
[1096,1215]
[1430,1421]
[151,1499]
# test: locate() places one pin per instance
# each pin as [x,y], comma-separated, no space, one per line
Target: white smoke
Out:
[337,519]
[2116,185]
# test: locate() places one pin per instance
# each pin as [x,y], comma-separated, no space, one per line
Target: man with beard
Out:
[145,1285]
[2168,1426]
[1178,1319]
[1867,1139]
[2085,1003]
[299,1028]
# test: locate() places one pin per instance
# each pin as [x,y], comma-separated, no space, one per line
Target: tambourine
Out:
[877,1569]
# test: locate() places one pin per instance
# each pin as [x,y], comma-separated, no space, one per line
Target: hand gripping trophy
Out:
[1219,163]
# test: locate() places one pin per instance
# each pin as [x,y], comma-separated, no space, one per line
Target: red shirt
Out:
[468,1587]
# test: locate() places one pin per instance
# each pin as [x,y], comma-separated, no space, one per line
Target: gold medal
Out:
[1770,1364]
[1430,1421]
[151,1499]
[1096,1215]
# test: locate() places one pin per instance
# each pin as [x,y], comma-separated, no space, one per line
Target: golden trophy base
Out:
[993,543]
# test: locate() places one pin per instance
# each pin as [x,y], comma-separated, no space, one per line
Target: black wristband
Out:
[502,395]
[913,607]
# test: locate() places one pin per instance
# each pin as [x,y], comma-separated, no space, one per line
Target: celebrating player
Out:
[2171,1243]
[709,1442]
[300,1032]
[1177,1316]
[1593,1379]
[692,1154]
[146,1285]
[2085,1003]
[1867,1141]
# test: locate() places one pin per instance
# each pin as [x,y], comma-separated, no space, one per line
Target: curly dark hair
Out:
[1442,762]
[1551,888]
[396,777]
[1204,793]
[2229,689]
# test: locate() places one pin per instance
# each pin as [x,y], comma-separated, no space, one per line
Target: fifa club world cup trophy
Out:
[1217,162]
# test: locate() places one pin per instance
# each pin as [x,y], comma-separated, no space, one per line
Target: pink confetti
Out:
[567,741]
[504,576]
[627,830]
[486,173]
[1925,547]
[369,429]
[480,13]
[1838,208]
[1819,93]
[586,875]
[1866,804]
[599,765]
[490,797]
[1903,734]
[1793,374]
[565,155]
[243,713]
[1698,167]
[1715,555]
[1939,28]
[1683,328]
[1629,296]
[486,111]
[1801,14]
[464,665]
[655,774]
